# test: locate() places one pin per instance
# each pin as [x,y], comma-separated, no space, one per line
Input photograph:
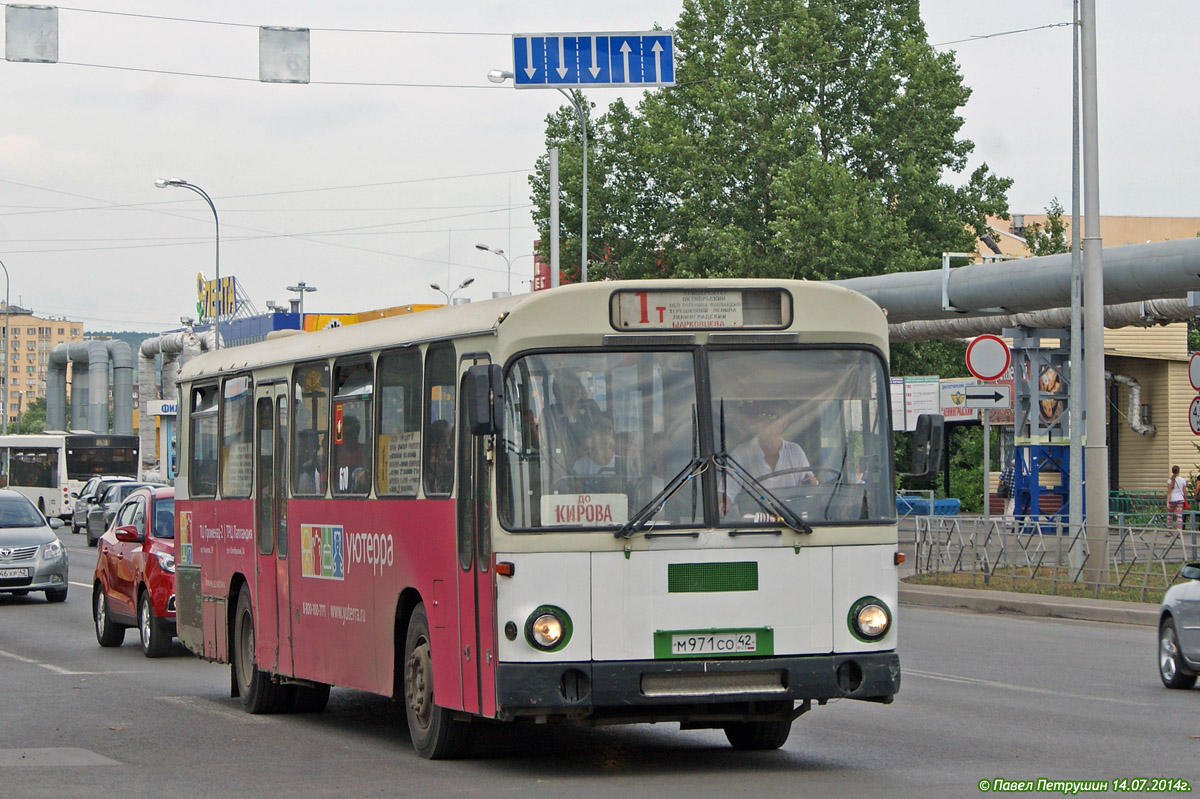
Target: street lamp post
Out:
[302,288]
[450,297]
[507,262]
[575,97]
[7,348]
[162,183]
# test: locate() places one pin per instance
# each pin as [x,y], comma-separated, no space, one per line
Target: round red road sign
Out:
[988,357]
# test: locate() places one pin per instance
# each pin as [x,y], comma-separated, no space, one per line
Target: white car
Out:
[32,558]
[1179,631]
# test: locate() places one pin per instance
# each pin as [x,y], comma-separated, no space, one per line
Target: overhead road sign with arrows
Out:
[577,60]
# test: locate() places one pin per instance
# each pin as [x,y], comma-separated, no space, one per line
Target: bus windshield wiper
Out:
[647,512]
[762,495]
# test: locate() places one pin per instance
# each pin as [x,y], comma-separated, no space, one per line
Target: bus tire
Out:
[435,734]
[758,735]
[156,641]
[108,633]
[308,698]
[258,692]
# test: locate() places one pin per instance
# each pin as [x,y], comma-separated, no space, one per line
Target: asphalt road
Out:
[984,696]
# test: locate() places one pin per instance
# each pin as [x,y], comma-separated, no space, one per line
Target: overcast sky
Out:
[371,192]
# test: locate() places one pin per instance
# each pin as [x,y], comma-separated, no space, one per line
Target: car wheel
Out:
[259,693]
[56,594]
[1171,668]
[155,641]
[435,734]
[107,632]
[751,735]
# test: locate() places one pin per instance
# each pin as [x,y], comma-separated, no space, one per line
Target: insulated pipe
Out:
[1131,273]
[77,352]
[172,346]
[1143,314]
[97,407]
[1135,404]
[56,389]
[121,356]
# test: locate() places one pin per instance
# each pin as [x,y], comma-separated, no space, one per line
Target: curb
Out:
[984,601]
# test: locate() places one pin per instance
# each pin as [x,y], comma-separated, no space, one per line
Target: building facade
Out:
[28,340]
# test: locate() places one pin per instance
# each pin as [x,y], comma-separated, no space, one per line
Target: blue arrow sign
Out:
[553,60]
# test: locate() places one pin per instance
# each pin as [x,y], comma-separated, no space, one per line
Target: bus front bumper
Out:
[692,689]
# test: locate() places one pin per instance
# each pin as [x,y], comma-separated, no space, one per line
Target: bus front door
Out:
[476,600]
[273,632]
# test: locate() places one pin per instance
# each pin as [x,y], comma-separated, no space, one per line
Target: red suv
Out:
[135,572]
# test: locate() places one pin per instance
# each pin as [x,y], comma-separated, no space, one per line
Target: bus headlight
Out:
[870,619]
[548,628]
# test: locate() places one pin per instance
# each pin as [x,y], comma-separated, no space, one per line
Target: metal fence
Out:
[1018,554]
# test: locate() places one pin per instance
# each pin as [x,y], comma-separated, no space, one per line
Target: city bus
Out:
[549,508]
[51,468]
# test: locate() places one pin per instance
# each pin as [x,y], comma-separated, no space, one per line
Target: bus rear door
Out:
[273,633]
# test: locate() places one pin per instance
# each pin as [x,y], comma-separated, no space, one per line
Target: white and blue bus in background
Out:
[50,468]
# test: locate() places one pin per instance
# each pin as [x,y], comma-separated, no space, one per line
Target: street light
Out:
[501,75]
[162,183]
[507,262]
[302,288]
[450,297]
[7,347]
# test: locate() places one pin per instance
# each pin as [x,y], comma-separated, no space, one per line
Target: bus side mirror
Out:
[483,389]
[927,446]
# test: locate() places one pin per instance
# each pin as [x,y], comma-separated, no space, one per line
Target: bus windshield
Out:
[591,438]
[807,429]
[89,455]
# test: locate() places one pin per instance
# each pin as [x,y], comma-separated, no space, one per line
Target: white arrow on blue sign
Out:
[553,60]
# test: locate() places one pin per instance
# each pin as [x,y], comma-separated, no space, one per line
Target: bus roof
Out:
[840,313]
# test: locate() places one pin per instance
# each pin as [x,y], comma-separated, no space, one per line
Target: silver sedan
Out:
[1179,631]
[32,558]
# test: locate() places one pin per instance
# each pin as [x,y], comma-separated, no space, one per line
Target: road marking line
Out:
[58,669]
[1024,688]
[215,708]
[81,585]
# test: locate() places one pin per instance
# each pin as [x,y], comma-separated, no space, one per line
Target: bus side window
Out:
[439,419]
[352,418]
[202,443]
[398,448]
[237,437]
[310,409]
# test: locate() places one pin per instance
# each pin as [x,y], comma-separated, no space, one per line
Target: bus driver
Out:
[766,453]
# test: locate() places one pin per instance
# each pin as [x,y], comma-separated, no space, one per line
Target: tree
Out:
[801,140]
[33,418]
[1051,239]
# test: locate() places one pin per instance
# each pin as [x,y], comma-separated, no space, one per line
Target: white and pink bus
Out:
[608,503]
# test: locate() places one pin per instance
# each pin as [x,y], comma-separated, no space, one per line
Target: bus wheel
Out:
[758,734]
[107,633]
[435,734]
[309,698]
[258,692]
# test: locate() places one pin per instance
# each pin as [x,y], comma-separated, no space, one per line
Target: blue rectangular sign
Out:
[553,60]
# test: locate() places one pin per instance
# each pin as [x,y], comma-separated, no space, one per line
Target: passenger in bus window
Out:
[348,457]
[604,470]
[572,413]
[765,454]
[310,460]
[441,457]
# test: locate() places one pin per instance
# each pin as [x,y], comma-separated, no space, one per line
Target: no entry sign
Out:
[988,357]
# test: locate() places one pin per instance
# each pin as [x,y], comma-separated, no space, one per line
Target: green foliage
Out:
[1052,239]
[33,418]
[801,141]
